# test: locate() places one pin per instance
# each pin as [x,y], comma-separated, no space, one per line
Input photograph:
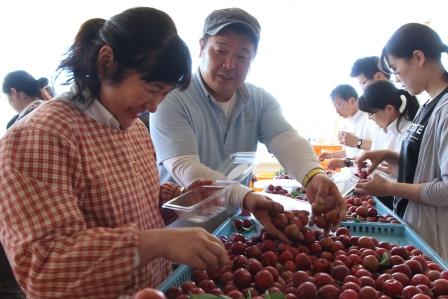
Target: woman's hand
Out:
[197,183]
[322,190]
[388,169]
[376,157]
[376,186]
[263,208]
[192,246]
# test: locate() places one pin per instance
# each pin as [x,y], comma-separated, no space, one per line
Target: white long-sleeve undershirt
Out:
[293,152]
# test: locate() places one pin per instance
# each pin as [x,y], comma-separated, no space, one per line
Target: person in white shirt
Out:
[393,110]
[366,71]
[24,93]
[358,131]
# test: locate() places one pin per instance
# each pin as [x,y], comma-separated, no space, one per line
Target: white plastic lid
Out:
[238,166]
[345,182]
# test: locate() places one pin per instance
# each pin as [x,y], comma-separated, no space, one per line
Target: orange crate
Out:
[326,148]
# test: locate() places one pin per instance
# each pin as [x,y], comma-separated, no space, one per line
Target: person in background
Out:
[366,71]
[195,130]
[358,130]
[24,93]
[48,93]
[80,202]
[393,110]
[413,55]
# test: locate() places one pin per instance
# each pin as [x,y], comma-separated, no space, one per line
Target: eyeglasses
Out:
[339,105]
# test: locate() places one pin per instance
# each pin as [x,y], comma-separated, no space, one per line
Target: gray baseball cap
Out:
[221,18]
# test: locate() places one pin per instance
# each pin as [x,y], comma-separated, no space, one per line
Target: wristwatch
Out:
[359,143]
[348,162]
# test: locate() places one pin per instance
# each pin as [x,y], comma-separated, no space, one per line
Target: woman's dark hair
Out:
[143,39]
[411,37]
[381,93]
[24,82]
[344,91]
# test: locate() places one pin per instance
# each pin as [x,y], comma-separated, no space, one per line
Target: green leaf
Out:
[281,171]
[295,193]
[268,295]
[385,260]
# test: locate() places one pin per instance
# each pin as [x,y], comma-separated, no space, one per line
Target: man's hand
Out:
[262,208]
[325,193]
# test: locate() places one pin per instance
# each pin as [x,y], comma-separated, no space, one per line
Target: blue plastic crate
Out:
[396,234]
[183,272]
[383,211]
[393,233]
[177,278]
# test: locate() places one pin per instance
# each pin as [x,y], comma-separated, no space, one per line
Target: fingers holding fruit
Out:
[264,209]
[193,246]
[377,186]
[216,247]
[292,224]
[327,218]
[327,204]
[375,157]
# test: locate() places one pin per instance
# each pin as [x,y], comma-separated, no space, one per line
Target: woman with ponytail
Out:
[413,54]
[392,109]
[24,93]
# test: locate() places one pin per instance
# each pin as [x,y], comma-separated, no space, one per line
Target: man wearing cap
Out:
[219,114]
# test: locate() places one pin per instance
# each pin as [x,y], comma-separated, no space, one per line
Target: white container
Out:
[202,203]
[238,166]
[346,182]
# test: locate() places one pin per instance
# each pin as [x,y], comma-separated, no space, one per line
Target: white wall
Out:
[306,47]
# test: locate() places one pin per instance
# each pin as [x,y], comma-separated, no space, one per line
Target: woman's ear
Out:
[390,108]
[419,57]
[106,61]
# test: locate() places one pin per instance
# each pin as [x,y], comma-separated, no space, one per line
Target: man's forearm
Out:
[294,153]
